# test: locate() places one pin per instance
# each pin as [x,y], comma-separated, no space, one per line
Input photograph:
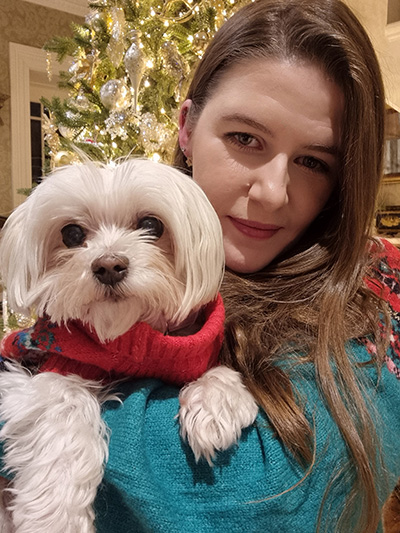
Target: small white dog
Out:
[122,266]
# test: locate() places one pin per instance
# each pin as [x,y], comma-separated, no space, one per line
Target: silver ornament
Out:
[114,94]
[95,20]
[81,102]
[118,122]
[135,64]
[154,135]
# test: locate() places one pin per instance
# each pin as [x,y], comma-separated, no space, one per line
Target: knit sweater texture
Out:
[74,348]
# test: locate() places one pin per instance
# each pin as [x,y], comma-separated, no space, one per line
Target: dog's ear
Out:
[20,259]
[199,253]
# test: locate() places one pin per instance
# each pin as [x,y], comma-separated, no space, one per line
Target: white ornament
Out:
[135,64]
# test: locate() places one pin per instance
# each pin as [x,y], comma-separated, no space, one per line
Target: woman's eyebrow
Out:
[238,117]
[332,150]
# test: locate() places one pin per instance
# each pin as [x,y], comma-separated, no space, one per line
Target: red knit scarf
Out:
[141,352]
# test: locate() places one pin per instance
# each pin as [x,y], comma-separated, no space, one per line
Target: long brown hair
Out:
[314,297]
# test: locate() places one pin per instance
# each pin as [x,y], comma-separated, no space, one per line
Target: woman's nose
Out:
[269,183]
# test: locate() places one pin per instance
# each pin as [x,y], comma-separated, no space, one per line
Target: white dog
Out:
[117,262]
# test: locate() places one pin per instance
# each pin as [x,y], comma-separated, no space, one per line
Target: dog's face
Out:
[113,246]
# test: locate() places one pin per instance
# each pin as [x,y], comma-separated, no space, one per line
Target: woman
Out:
[283,129]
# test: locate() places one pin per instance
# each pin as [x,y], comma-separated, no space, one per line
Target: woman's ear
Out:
[184,128]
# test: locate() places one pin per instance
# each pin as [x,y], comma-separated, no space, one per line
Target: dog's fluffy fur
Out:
[55,440]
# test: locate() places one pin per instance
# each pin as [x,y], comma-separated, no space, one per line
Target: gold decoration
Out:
[13,320]
[49,67]
[24,321]
[200,40]
[67,133]
[185,14]
[64,158]
[50,135]
[116,45]
[102,71]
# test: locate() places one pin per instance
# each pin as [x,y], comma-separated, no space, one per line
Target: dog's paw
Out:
[214,410]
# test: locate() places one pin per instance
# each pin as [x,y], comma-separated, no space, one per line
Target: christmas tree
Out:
[132,61]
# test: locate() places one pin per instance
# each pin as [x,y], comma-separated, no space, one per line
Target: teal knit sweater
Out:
[153,485]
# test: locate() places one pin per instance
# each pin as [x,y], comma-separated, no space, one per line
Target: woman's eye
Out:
[243,140]
[314,164]
[73,235]
[152,225]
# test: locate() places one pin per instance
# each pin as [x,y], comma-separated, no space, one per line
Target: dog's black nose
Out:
[110,269]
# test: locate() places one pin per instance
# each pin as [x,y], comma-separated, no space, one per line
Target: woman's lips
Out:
[253,229]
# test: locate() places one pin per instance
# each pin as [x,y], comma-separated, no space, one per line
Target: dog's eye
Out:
[153,226]
[73,235]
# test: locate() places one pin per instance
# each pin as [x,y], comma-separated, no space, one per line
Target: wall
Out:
[386,40]
[31,25]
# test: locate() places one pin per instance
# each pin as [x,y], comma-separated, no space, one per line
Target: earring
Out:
[189,162]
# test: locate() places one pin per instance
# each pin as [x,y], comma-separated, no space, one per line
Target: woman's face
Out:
[265,150]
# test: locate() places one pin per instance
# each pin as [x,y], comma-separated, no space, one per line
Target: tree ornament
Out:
[67,129]
[67,133]
[96,21]
[177,11]
[51,137]
[74,70]
[200,41]
[116,45]
[135,64]
[49,67]
[63,158]
[119,121]
[81,102]
[154,135]
[114,94]
[24,321]
[174,62]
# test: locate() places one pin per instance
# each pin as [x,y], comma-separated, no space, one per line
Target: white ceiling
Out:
[75,7]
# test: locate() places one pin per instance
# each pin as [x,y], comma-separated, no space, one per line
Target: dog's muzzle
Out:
[110,269]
